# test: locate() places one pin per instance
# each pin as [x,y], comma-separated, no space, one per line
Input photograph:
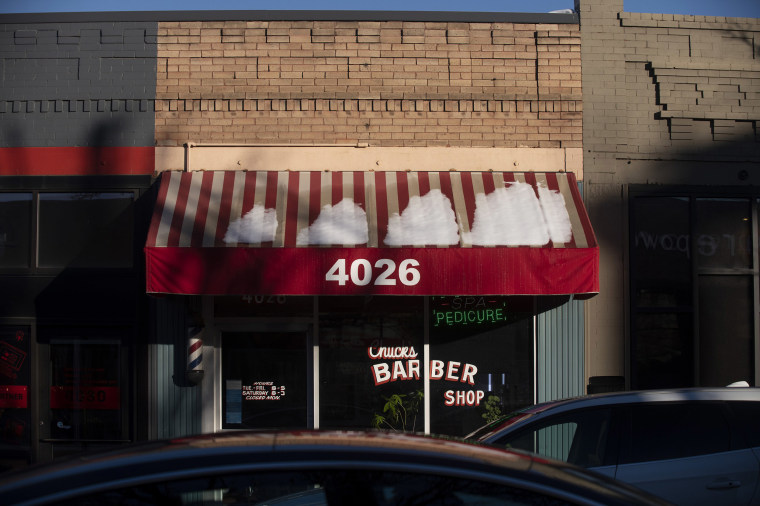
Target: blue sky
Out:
[730,8]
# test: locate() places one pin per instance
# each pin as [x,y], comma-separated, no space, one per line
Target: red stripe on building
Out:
[77,161]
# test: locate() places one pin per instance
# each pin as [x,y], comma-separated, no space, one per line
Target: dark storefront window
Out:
[724,233]
[661,252]
[15,407]
[48,229]
[692,291]
[371,362]
[85,229]
[481,361]
[15,230]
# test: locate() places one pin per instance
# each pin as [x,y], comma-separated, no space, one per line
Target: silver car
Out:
[314,468]
[692,446]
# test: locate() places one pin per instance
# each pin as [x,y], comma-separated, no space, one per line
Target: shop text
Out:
[468,311]
[463,398]
[471,316]
[405,366]
[384,273]
[397,352]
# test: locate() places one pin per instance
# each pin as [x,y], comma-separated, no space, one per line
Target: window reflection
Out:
[724,233]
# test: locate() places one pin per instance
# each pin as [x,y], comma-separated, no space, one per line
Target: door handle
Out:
[724,484]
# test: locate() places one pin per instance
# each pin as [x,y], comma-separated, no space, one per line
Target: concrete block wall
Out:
[384,83]
[668,99]
[77,84]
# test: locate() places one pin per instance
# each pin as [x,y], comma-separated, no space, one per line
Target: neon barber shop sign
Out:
[401,363]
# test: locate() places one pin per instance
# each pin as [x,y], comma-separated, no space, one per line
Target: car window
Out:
[323,487]
[673,431]
[580,438]
[748,416]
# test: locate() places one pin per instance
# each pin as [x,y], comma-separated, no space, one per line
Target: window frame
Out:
[36,185]
[693,194]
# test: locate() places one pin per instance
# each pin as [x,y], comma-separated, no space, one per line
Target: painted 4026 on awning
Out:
[394,233]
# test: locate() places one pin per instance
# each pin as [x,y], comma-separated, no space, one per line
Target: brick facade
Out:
[77,84]
[384,83]
[668,100]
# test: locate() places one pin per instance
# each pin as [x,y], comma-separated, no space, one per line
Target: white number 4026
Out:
[360,272]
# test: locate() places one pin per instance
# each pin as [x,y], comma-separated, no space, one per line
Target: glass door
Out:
[266,380]
[83,391]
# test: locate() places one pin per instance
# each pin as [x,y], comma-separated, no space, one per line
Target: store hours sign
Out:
[402,363]
[263,391]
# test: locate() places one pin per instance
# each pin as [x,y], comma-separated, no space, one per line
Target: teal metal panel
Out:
[560,352]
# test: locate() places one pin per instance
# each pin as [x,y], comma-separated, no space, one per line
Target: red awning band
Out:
[395,233]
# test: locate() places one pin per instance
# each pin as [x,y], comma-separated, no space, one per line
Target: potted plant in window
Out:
[399,412]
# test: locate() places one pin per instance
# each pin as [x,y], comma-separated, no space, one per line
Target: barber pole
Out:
[194,354]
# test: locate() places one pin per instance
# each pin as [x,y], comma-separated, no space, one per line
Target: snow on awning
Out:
[383,233]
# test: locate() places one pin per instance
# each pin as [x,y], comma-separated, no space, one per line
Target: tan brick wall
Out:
[382,83]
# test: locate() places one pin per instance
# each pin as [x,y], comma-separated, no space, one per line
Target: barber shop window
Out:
[371,363]
[481,361]
[692,289]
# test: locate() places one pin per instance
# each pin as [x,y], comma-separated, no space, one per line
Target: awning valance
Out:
[392,233]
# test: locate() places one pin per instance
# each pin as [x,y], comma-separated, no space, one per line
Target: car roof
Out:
[663,395]
[245,451]
[522,417]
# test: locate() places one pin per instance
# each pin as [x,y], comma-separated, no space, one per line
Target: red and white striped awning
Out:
[392,233]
